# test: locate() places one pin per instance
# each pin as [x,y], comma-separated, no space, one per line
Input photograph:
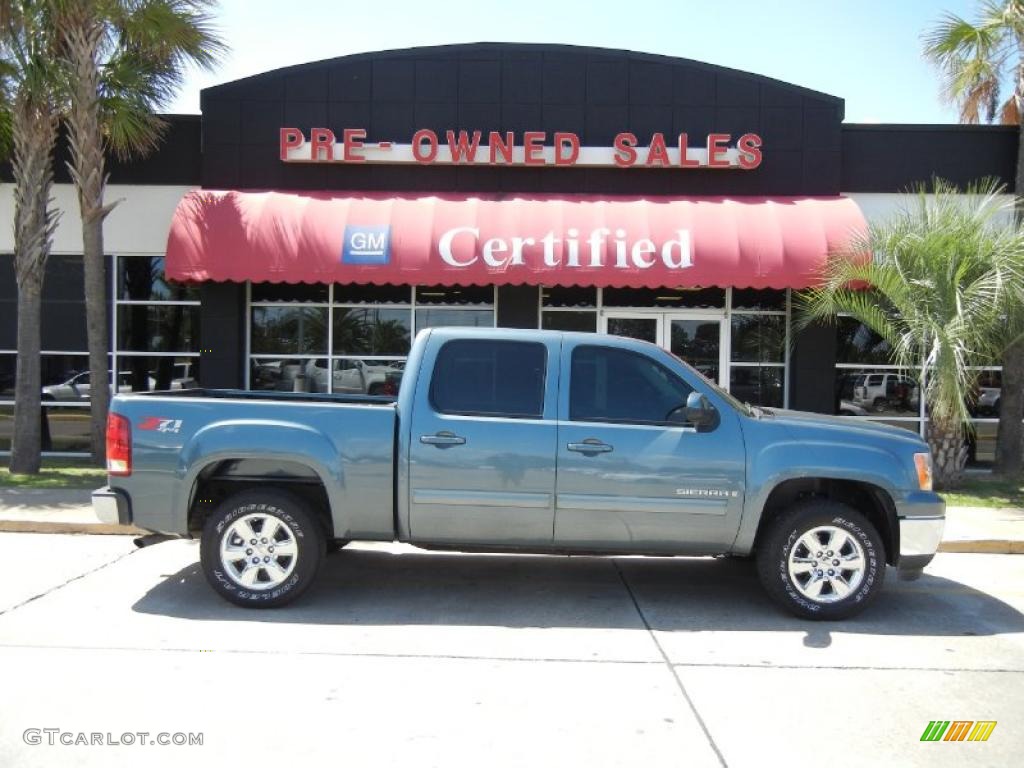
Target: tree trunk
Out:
[34,129]
[87,167]
[97,336]
[1010,437]
[26,444]
[949,454]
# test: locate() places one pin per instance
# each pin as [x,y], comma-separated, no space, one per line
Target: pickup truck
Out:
[525,441]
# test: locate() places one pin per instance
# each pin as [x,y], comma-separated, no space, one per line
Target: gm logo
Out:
[366,245]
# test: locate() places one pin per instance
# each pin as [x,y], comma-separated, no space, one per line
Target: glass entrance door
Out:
[694,337]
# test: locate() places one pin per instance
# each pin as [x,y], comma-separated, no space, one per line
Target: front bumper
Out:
[922,521]
[112,506]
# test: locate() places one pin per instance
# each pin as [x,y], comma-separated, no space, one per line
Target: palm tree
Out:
[936,286]
[30,110]
[126,60]
[974,60]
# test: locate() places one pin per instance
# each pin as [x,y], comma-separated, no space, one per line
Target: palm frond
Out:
[943,278]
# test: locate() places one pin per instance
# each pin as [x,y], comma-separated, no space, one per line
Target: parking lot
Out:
[401,657]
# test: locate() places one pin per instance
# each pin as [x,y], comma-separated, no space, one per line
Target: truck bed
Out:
[345,442]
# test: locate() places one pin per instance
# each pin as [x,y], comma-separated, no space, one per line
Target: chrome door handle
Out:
[443,438]
[590,445]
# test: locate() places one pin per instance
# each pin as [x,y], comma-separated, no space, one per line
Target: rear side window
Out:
[610,384]
[490,378]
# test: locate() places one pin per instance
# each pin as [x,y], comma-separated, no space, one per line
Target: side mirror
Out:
[699,412]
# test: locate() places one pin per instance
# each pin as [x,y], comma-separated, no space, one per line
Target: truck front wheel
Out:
[261,548]
[821,560]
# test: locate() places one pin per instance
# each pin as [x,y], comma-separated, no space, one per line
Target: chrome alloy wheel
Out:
[826,564]
[259,551]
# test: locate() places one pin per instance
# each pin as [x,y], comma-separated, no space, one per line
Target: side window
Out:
[610,384]
[490,378]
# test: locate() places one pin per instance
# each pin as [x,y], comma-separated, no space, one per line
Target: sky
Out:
[865,51]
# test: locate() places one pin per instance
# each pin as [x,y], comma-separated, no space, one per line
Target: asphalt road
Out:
[399,657]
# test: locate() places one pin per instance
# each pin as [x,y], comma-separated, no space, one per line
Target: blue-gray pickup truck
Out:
[527,441]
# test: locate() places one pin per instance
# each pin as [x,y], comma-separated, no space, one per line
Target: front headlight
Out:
[923,462]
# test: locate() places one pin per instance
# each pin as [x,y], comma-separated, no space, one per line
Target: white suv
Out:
[886,390]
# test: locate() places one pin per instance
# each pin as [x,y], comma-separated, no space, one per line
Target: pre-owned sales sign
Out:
[530,148]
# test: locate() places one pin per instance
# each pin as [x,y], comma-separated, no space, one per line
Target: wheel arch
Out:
[221,477]
[871,500]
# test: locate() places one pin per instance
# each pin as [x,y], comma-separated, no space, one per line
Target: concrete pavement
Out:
[968,529]
[401,657]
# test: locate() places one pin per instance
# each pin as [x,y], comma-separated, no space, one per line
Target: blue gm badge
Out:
[366,245]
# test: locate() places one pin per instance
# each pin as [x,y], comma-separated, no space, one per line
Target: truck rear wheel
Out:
[261,548]
[822,560]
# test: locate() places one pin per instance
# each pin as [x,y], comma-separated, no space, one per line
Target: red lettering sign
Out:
[322,138]
[625,154]
[290,139]
[466,148]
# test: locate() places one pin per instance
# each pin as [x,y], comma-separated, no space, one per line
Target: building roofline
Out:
[540,48]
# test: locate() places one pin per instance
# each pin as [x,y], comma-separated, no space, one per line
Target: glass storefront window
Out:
[877,392]
[472,318]
[856,343]
[359,331]
[698,343]
[157,328]
[278,374]
[642,328]
[986,398]
[759,338]
[141,278]
[136,373]
[64,429]
[758,384]
[289,330]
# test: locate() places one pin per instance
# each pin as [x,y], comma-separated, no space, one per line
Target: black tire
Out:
[302,528]
[783,535]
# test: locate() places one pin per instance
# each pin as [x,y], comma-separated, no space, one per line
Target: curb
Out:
[984,547]
[40,526]
[976,546]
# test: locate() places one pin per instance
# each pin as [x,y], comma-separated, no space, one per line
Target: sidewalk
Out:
[60,510]
[53,510]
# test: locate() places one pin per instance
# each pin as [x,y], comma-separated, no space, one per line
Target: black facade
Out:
[594,93]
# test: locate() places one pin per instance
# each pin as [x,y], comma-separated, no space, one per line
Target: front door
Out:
[694,337]
[631,477]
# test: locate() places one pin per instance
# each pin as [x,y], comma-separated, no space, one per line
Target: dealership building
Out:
[299,232]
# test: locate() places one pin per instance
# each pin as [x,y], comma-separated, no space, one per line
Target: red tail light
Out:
[119,445]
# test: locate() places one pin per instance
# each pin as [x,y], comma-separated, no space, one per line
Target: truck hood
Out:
[799,422]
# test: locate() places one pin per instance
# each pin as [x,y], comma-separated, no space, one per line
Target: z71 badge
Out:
[157,424]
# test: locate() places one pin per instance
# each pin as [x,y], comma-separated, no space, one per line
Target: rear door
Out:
[482,448]
[629,479]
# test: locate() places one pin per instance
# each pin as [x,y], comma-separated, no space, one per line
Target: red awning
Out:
[749,242]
